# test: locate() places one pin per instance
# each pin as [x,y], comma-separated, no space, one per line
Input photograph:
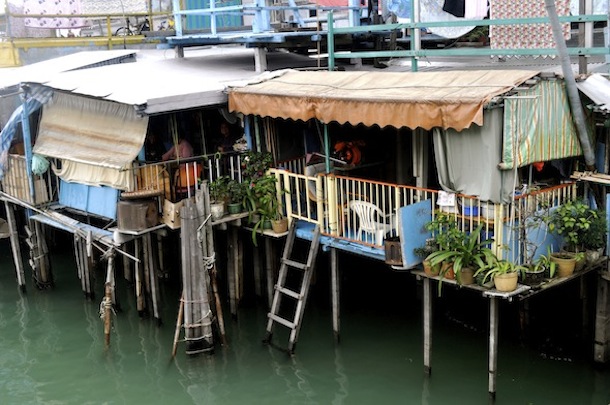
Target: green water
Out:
[52,351]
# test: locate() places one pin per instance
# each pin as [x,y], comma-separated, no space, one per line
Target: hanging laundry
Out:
[476,9]
[524,35]
[432,11]
[455,7]
[63,7]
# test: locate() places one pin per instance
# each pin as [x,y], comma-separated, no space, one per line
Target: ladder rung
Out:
[283,321]
[288,292]
[296,265]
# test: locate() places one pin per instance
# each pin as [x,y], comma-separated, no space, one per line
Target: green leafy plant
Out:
[572,220]
[237,191]
[494,267]
[544,263]
[471,252]
[595,237]
[255,164]
[262,199]
[219,189]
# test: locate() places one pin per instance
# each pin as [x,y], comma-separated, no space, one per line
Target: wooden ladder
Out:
[282,291]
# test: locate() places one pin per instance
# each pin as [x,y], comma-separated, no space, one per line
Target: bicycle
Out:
[129,29]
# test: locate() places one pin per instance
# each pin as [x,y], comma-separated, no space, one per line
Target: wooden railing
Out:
[15,183]
[179,179]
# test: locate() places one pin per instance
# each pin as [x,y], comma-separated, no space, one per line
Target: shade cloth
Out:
[538,126]
[467,162]
[96,139]
[452,99]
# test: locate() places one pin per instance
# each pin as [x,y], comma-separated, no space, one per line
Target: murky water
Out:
[52,351]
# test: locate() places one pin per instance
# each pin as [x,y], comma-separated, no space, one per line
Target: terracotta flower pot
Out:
[447,270]
[431,271]
[466,276]
[565,263]
[506,282]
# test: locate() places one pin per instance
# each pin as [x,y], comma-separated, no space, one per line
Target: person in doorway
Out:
[179,151]
[226,141]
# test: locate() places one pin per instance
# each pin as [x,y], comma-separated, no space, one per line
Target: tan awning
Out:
[85,130]
[449,99]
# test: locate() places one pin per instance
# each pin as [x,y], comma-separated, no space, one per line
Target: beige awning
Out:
[449,99]
[85,130]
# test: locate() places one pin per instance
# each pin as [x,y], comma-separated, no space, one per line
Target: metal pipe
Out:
[573,96]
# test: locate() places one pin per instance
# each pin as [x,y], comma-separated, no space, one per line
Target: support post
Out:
[107,308]
[493,345]
[602,321]
[260,59]
[269,270]
[334,272]
[427,308]
[256,258]
[15,246]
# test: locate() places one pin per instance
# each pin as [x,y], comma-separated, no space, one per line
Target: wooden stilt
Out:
[207,245]
[334,277]
[584,299]
[232,279]
[15,246]
[197,309]
[602,321]
[161,263]
[269,270]
[110,278]
[152,274]
[127,269]
[427,307]
[42,256]
[256,258]
[138,272]
[178,325]
[88,261]
[493,345]
[107,311]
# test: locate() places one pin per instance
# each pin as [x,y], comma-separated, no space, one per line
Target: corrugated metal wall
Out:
[197,22]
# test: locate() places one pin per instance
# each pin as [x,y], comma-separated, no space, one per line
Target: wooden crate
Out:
[136,215]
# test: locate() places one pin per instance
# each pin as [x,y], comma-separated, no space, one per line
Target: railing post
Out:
[332,208]
[177,17]
[287,195]
[330,41]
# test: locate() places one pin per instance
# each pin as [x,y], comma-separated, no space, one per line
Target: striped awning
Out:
[538,126]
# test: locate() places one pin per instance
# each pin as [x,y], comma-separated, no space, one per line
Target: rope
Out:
[106,305]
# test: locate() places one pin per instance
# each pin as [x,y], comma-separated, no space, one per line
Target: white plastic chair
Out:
[372,220]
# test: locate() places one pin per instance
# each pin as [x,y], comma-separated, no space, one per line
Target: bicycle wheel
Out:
[123,31]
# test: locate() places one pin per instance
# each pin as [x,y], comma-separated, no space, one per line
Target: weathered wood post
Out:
[206,235]
[334,278]
[197,310]
[106,311]
[15,246]
[150,272]
[39,261]
[139,276]
[602,318]
[83,265]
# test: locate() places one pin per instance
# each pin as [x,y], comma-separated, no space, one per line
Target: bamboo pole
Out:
[107,308]
[15,246]
[178,325]
[334,270]
[152,274]
[140,301]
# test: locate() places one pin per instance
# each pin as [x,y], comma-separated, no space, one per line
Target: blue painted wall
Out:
[96,200]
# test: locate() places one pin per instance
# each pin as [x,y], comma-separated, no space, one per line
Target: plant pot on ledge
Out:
[566,262]
[279,225]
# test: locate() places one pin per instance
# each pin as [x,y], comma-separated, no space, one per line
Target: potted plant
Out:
[219,192]
[425,251]
[542,267]
[263,202]
[237,195]
[504,273]
[572,220]
[594,241]
[467,254]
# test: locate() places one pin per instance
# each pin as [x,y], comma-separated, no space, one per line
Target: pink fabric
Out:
[524,35]
[64,7]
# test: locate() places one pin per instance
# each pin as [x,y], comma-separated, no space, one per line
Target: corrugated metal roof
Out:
[44,71]
[171,84]
[597,88]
